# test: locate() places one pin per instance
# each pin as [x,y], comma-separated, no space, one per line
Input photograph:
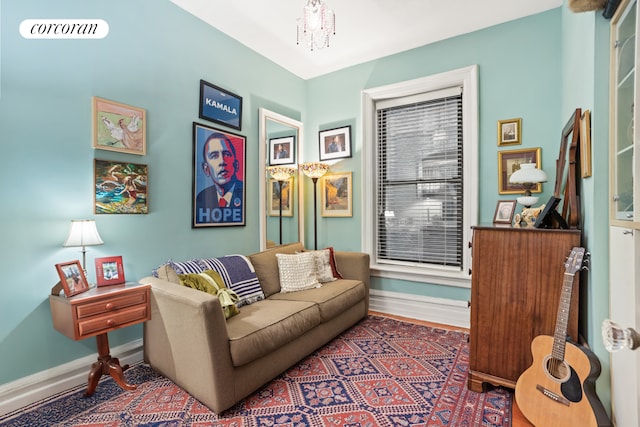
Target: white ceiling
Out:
[365,29]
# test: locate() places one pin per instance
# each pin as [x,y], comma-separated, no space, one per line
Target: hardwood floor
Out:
[518,419]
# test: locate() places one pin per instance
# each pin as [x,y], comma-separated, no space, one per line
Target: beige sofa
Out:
[220,361]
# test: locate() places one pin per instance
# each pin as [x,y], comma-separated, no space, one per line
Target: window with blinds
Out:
[419,188]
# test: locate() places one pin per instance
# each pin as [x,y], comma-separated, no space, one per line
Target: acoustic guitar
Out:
[558,389]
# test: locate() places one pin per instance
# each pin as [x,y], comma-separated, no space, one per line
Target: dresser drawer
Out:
[111,304]
[116,319]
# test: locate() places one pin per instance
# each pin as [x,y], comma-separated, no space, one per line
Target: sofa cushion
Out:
[324,271]
[266,266]
[334,264]
[166,272]
[266,325]
[332,298]
[297,272]
[238,274]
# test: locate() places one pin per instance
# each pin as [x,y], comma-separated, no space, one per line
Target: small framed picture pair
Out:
[72,278]
[109,271]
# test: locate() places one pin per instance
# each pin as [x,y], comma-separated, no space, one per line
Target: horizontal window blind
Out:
[419,188]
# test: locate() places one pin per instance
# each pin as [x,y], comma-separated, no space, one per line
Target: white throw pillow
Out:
[324,273]
[297,272]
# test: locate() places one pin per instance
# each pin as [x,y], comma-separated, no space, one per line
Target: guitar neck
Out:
[573,265]
[562,319]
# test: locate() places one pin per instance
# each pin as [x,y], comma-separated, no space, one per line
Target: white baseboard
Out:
[437,310]
[30,389]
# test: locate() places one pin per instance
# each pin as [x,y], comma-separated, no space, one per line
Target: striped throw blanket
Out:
[238,275]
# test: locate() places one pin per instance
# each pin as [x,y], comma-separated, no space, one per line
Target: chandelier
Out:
[317,25]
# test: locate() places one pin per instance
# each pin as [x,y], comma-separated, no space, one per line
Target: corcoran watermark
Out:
[64,29]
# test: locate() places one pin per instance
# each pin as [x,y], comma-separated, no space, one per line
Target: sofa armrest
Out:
[354,265]
[186,339]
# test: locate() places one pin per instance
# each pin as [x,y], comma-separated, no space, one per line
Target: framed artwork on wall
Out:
[510,132]
[119,127]
[335,143]
[274,193]
[509,162]
[72,278]
[585,144]
[220,106]
[218,195]
[109,271]
[120,187]
[282,150]
[336,194]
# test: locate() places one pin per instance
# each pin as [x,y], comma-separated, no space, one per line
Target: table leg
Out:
[106,365]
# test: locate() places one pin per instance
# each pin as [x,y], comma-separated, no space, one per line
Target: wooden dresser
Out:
[516,282]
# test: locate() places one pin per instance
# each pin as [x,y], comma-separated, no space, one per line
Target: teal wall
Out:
[154,57]
[156,63]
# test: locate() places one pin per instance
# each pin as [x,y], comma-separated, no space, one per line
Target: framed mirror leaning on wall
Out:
[278,133]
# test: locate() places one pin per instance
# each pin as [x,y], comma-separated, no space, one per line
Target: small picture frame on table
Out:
[504,212]
[72,278]
[109,271]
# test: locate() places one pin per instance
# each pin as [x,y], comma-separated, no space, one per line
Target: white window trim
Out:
[467,78]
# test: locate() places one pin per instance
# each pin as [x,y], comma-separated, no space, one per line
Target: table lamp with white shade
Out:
[83,233]
[528,176]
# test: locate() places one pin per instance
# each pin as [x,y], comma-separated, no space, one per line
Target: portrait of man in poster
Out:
[218,177]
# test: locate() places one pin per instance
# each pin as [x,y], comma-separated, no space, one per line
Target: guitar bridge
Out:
[553,396]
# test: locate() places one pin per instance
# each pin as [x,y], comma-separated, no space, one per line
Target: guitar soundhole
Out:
[557,369]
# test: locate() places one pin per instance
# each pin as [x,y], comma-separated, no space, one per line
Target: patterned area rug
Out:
[382,372]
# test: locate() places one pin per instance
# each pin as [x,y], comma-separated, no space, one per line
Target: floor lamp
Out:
[281,174]
[314,170]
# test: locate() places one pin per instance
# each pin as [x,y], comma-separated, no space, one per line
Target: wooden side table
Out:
[96,313]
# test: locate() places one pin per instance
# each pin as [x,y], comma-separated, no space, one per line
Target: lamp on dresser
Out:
[528,176]
[83,233]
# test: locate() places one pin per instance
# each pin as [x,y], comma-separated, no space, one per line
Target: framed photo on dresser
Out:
[72,278]
[109,271]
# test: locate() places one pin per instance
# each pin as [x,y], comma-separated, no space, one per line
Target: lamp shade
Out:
[528,174]
[314,169]
[83,232]
[281,173]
